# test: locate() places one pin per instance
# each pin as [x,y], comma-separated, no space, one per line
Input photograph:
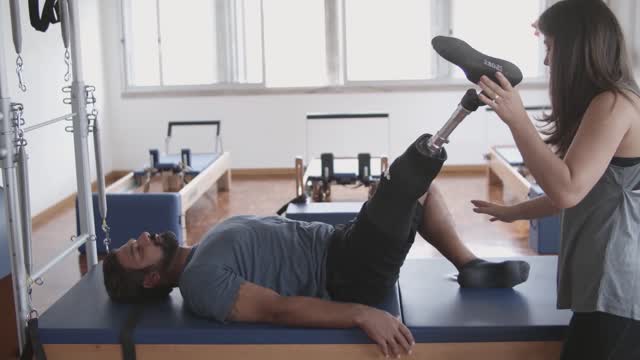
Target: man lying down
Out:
[280,271]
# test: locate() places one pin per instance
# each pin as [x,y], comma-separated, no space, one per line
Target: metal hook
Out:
[19,64]
[67,61]
[33,314]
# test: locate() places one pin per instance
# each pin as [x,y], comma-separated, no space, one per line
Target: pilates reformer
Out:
[184,179]
[314,183]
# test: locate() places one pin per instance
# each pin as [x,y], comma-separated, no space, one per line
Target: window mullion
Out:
[159,42]
[223,37]
[440,25]
[264,61]
[334,33]
[125,40]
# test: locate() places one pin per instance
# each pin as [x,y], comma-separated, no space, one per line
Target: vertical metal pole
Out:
[97,144]
[22,174]
[18,272]
[16,25]
[299,176]
[80,137]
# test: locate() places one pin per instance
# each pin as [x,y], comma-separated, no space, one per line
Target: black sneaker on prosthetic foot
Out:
[484,274]
[474,63]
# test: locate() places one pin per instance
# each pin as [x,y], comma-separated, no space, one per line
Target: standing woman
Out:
[590,173]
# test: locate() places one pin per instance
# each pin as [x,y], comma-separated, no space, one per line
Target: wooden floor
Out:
[263,195]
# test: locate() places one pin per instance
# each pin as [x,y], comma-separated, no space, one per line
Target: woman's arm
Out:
[526,210]
[566,182]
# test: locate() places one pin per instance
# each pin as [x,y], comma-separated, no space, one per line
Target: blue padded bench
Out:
[328,212]
[522,320]
[446,321]
[544,233]
[199,162]
[84,321]
[129,214]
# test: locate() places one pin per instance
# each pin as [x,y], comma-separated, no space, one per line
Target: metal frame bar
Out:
[49,122]
[13,160]
[7,133]
[79,241]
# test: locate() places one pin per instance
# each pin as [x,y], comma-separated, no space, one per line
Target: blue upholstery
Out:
[436,309]
[432,306]
[85,315]
[328,212]
[544,233]
[198,162]
[5,260]
[128,215]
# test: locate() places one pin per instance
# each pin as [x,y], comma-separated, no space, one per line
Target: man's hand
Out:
[387,331]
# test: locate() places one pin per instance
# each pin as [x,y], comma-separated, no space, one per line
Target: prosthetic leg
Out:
[392,207]
[364,261]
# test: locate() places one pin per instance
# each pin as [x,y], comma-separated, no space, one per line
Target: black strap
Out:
[126,333]
[50,14]
[301,199]
[33,346]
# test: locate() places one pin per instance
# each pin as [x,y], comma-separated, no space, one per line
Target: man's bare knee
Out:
[433,188]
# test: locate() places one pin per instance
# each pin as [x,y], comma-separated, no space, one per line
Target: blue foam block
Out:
[436,309]
[544,233]
[328,212]
[85,315]
[128,215]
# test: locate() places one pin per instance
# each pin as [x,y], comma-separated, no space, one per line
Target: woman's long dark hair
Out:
[588,58]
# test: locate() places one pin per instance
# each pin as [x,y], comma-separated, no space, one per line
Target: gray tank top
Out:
[599,261]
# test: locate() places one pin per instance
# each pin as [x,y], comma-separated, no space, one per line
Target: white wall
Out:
[268,131]
[50,149]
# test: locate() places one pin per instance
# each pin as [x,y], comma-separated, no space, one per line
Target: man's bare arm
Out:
[258,304]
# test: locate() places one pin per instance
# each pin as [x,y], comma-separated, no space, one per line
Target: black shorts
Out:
[602,336]
[363,263]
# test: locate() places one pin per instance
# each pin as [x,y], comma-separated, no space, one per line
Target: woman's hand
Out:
[496,211]
[502,98]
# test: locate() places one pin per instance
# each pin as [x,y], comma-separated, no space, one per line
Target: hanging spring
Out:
[19,66]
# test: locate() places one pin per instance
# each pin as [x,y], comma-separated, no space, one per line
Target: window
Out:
[294,37]
[143,57]
[187,42]
[388,39]
[509,38]
[262,44]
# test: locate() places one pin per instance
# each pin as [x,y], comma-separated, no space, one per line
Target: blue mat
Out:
[431,304]
[85,315]
[436,309]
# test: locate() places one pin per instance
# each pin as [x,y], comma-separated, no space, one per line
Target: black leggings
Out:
[602,336]
[365,255]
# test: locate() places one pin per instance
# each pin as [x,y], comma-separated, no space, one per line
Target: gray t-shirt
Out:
[284,255]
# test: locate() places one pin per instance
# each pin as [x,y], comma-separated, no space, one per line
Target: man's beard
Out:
[169,245]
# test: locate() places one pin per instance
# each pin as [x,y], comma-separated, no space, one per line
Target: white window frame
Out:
[228,72]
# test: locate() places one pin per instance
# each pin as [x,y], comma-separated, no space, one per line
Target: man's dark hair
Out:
[127,286]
